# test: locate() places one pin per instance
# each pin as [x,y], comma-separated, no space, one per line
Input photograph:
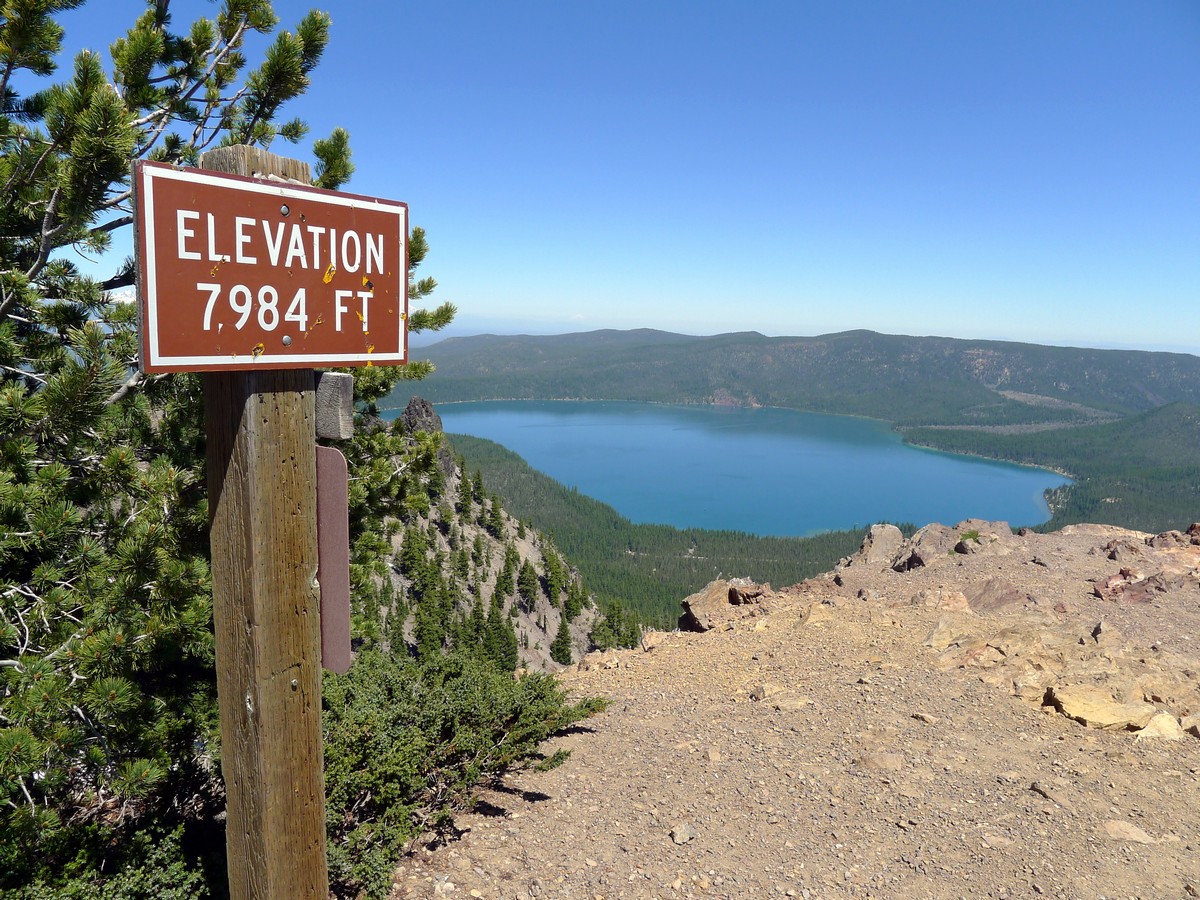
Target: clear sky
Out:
[1014,169]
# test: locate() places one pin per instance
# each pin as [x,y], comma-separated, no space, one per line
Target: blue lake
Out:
[763,471]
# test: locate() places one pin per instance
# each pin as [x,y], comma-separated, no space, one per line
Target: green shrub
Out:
[144,865]
[407,742]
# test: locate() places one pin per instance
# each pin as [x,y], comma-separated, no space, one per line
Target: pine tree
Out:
[555,573]
[576,597]
[527,584]
[504,581]
[560,649]
[106,650]
[495,518]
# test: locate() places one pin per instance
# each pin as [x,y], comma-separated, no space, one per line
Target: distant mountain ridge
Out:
[1125,424]
[907,380]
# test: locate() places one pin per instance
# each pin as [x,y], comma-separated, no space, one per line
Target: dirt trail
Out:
[817,745]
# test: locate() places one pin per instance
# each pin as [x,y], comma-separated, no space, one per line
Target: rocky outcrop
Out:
[928,546]
[419,415]
[1014,611]
[721,602]
[879,548]
[938,543]
[996,594]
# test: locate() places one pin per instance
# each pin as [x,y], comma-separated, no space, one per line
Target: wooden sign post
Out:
[255,280]
[266,601]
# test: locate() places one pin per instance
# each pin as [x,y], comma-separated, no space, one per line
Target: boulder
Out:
[1190,725]
[720,602]
[879,547]
[683,832]
[1162,726]
[703,610]
[651,639]
[1170,539]
[599,659]
[930,544]
[1126,551]
[743,591]
[1031,683]
[1095,707]
[952,633]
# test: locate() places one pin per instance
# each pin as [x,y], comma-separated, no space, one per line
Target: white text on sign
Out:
[242,301]
[305,244]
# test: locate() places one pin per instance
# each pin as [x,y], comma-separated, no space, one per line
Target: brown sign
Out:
[242,273]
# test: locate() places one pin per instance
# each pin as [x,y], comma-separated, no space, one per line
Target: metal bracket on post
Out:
[335,422]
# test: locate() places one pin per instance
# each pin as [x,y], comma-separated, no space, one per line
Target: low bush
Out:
[407,742]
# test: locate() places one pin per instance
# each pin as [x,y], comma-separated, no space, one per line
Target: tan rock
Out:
[1163,726]
[651,639]
[721,602]
[1116,830]
[1191,725]
[1095,707]
[881,760]
[765,690]
[931,544]
[705,608]
[1031,684]
[953,601]
[879,547]
[995,594]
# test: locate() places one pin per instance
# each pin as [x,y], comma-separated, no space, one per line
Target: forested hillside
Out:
[905,380]
[1142,472]
[646,568]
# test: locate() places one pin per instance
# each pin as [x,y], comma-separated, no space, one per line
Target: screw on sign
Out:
[239,273]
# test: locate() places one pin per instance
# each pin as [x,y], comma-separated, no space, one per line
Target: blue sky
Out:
[1014,170]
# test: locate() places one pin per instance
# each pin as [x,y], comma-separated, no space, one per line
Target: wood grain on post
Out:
[262,507]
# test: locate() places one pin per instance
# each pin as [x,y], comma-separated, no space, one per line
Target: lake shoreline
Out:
[769,471]
[683,404]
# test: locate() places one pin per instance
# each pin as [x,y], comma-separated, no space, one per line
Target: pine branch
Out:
[188,90]
[46,241]
[133,381]
[119,222]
